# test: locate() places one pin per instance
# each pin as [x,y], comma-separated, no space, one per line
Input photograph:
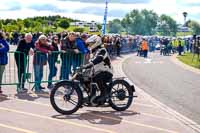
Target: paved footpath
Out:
[32,113]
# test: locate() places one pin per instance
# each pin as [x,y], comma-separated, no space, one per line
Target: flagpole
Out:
[105,19]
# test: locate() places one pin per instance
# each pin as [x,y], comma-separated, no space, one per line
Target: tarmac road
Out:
[167,82]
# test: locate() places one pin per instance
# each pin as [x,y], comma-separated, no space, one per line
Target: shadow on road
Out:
[32,96]
[3,97]
[99,117]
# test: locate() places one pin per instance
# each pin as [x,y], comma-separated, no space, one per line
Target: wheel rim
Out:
[66,98]
[120,95]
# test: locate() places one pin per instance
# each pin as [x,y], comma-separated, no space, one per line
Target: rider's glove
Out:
[89,65]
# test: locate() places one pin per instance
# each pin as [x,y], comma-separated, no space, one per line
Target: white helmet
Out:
[94,41]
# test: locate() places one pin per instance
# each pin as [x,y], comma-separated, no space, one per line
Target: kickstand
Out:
[33,88]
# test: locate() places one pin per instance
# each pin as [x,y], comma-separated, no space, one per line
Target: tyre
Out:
[121,95]
[66,99]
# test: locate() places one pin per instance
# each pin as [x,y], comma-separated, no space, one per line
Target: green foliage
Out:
[99,26]
[195,26]
[140,22]
[36,24]
[48,30]
[168,25]
[179,34]
[1,25]
[150,20]
[81,30]
[144,22]
[133,22]
[63,23]
[115,26]
[27,23]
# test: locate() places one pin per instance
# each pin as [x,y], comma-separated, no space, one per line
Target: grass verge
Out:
[187,59]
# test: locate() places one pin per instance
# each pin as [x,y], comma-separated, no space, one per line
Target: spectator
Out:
[4,48]
[179,46]
[81,45]
[15,38]
[7,37]
[118,45]
[174,46]
[190,45]
[108,44]
[145,48]
[68,49]
[187,44]
[21,54]
[52,59]
[139,49]
[40,59]
[162,47]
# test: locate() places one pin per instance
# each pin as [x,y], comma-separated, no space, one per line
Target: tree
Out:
[99,26]
[63,23]
[133,22]
[7,21]
[115,26]
[27,23]
[150,20]
[20,25]
[81,30]
[48,30]
[36,24]
[1,25]
[168,25]
[195,26]
[11,28]
[143,22]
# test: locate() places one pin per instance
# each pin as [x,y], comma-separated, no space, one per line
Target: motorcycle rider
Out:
[102,72]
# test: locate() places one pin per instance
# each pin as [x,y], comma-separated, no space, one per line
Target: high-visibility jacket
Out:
[176,43]
[182,43]
[144,45]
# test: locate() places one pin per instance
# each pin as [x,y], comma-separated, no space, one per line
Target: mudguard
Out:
[133,88]
[123,78]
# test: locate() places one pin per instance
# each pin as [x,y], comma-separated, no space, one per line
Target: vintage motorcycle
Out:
[69,95]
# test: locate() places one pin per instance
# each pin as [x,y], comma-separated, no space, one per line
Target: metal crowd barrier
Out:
[11,73]
[17,60]
[72,61]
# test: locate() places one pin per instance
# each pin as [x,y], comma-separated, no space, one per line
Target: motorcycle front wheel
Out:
[121,95]
[65,98]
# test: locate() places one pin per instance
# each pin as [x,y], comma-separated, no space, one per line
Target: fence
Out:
[56,66]
[10,75]
[20,67]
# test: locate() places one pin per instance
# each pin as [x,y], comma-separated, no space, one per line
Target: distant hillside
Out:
[43,24]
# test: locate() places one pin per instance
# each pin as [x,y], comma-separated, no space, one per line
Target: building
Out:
[92,25]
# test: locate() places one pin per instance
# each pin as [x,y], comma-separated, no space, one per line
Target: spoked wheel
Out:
[121,95]
[65,99]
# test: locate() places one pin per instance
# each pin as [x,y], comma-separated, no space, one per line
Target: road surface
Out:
[169,83]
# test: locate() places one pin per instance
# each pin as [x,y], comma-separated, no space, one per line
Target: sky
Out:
[88,10]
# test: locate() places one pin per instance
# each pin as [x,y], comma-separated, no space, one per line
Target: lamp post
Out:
[184,25]
[185,16]
[184,28]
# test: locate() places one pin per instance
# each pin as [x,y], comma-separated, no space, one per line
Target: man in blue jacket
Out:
[81,45]
[4,48]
